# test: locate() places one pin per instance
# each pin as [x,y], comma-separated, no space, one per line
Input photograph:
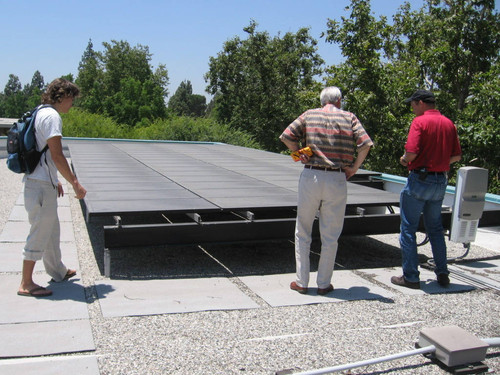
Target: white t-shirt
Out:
[48,124]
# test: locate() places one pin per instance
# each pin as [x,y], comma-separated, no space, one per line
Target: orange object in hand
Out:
[296,154]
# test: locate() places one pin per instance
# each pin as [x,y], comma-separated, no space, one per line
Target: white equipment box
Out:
[472,185]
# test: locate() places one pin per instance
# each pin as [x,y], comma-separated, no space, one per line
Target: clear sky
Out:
[51,36]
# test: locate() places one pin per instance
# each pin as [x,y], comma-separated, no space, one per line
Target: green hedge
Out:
[78,123]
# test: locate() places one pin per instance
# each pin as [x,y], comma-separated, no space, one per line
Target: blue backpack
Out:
[21,144]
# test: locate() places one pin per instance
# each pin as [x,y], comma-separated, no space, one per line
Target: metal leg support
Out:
[107,263]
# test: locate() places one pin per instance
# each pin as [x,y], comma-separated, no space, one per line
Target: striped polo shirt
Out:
[333,135]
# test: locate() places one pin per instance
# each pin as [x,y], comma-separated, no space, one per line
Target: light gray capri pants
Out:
[43,242]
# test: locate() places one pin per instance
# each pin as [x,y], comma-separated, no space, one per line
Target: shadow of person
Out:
[72,290]
[67,290]
[356,293]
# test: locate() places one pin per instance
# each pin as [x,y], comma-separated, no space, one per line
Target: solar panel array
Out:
[132,177]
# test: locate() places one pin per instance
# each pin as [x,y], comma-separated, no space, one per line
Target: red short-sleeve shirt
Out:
[433,137]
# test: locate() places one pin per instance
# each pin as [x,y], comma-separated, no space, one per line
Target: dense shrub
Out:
[193,129]
[81,124]
[78,123]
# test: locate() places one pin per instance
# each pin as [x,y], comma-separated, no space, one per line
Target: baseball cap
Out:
[423,95]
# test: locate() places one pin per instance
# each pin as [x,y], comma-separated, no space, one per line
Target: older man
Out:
[333,135]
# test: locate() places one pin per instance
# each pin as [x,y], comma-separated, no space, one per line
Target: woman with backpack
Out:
[42,189]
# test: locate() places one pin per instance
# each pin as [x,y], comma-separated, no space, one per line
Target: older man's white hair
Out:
[330,95]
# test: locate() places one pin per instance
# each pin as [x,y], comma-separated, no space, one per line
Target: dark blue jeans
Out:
[417,197]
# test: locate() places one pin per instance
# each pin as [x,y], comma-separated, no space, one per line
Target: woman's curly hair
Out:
[59,89]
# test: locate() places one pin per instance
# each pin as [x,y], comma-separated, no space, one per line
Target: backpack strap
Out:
[44,150]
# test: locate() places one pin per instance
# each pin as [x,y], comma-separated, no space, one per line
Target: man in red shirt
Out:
[431,147]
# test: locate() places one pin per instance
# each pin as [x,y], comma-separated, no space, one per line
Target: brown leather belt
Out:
[325,169]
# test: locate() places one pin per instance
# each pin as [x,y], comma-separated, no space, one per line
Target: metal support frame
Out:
[245,227]
[200,231]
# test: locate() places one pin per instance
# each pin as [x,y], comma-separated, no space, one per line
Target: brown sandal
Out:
[69,275]
[32,293]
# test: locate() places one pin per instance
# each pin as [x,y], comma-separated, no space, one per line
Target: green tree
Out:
[478,125]
[14,99]
[198,105]
[33,91]
[120,82]
[185,103]
[68,77]
[447,46]
[450,41]
[256,81]
[13,85]
[160,80]
[373,86]
[90,80]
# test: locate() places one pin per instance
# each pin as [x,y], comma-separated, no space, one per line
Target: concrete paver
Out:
[11,254]
[275,289]
[149,297]
[66,303]
[45,338]
[488,238]
[81,365]
[428,283]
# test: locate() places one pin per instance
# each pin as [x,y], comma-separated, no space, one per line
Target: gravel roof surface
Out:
[267,339]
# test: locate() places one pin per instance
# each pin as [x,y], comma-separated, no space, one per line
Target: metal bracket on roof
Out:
[248,215]
[194,216]
[118,221]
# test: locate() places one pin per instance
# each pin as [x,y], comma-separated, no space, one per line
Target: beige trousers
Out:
[43,242]
[323,193]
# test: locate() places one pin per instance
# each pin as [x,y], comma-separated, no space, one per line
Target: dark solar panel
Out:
[134,177]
